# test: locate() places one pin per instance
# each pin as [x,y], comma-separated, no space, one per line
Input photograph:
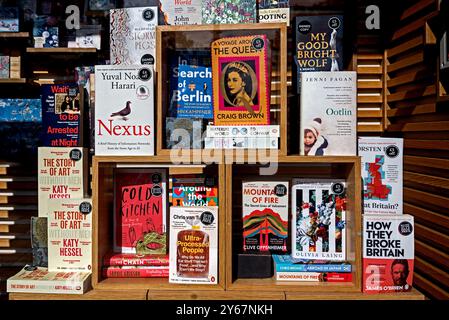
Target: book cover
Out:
[285,263]
[328,114]
[33,279]
[140,206]
[382,173]
[88,36]
[183,133]
[61,175]
[318,44]
[272,131]
[4,67]
[181,12]
[388,253]
[193,245]
[101,5]
[194,192]
[241,143]
[265,216]
[129,259]
[39,241]
[274,11]
[136,272]
[70,235]
[44,35]
[9,19]
[319,217]
[20,110]
[228,11]
[240,80]
[133,35]
[313,276]
[124,110]
[62,115]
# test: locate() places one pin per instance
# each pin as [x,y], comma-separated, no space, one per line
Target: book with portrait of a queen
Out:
[240,80]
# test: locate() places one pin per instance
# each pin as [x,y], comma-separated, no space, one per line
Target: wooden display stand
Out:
[169,38]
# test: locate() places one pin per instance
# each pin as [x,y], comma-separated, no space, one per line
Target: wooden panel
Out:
[361,70]
[438,275]
[90,295]
[424,199]
[375,127]
[313,295]
[427,162]
[432,254]
[369,84]
[413,26]
[214,295]
[14,34]
[429,287]
[426,180]
[425,144]
[413,110]
[406,62]
[403,47]
[424,216]
[61,50]
[432,236]
[411,76]
[375,98]
[415,92]
[365,113]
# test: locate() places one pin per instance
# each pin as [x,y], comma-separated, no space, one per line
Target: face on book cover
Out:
[399,272]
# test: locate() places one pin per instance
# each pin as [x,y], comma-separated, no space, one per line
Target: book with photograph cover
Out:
[140,211]
[319,218]
[240,78]
[228,11]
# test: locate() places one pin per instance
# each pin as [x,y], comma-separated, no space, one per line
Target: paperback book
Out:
[39,241]
[388,253]
[241,143]
[128,259]
[328,113]
[4,67]
[286,263]
[193,192]
[319,217]
[228,11]
[240,80]
[136,272]
[88,36]
[265,216]
[181,12]
[274,11]
[140,207]
[9,19]
[193,245]
[271,131]
[382,171]
[70,235]
[124,110]
[313,276]
[45,32]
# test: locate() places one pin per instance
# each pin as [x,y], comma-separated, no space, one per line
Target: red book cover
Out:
[140,211]
[135,272]
[314,276]
[129,259]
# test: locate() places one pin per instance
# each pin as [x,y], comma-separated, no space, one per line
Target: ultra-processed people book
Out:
[319,218]
[265,216]
[124,110]
[181,12]
[388,253]
[328,113]
[240,80]
[319,44]
[382,173]
[133,35]
[70,235]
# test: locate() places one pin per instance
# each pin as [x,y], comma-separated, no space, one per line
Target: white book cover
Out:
[124,110]
[133,35]
[70,235]
[319,217]
[193,245]
[328,113]
[181,12]
[241,143]
[265,215]
[33,279]
[382,173]
[61,175]
[270,131]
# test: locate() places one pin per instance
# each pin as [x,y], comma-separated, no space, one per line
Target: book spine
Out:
[36,286]
[113,272]
[315,268]
[314,276]
[125,260]
[268,131]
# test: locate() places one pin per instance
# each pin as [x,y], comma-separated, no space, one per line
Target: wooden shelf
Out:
[14,34]
[9,80]
[61,50]
[90,295]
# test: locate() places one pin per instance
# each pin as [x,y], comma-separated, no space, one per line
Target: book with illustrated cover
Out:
[240,80]
[193,192]
[45,32]
[140,206]
[124,110]
[193,245]
[9,19]
[328,114]
[4,67]
[181,12]
[382,166]
[272,131]
[228,11]
[129,259]
[135,272]
[20,110]
[70,235]
[313,276]
[388,253]
[133,35]
[318,44]
[319,218]
[61,175]
[183,133]
[62,115]
[241,143]
[285,263]
[39,241]
[272,11]
[88,36]
[265,216]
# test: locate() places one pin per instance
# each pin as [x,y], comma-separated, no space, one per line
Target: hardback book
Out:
[9,19]
[140,206]
[136,272]
[39,241]
[228,11]
[313,276]
[319,217]
[183,133]
[124,110]
[133,35]
[241,143]
[32,279]
[129,259]
[62,115]
[193,192]
[388,253]
[382,173]
[271,131]
[88,36]
[328,114]
[319,44]
[70,235]
[285,263]
[4,67]
[181,12]
[45,35]
[193,245]
[240,80]
[265,216]
[61,175]
[274,11]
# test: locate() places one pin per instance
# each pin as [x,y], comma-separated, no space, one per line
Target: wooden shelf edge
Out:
[14,34]
[13,80]
[61,50]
